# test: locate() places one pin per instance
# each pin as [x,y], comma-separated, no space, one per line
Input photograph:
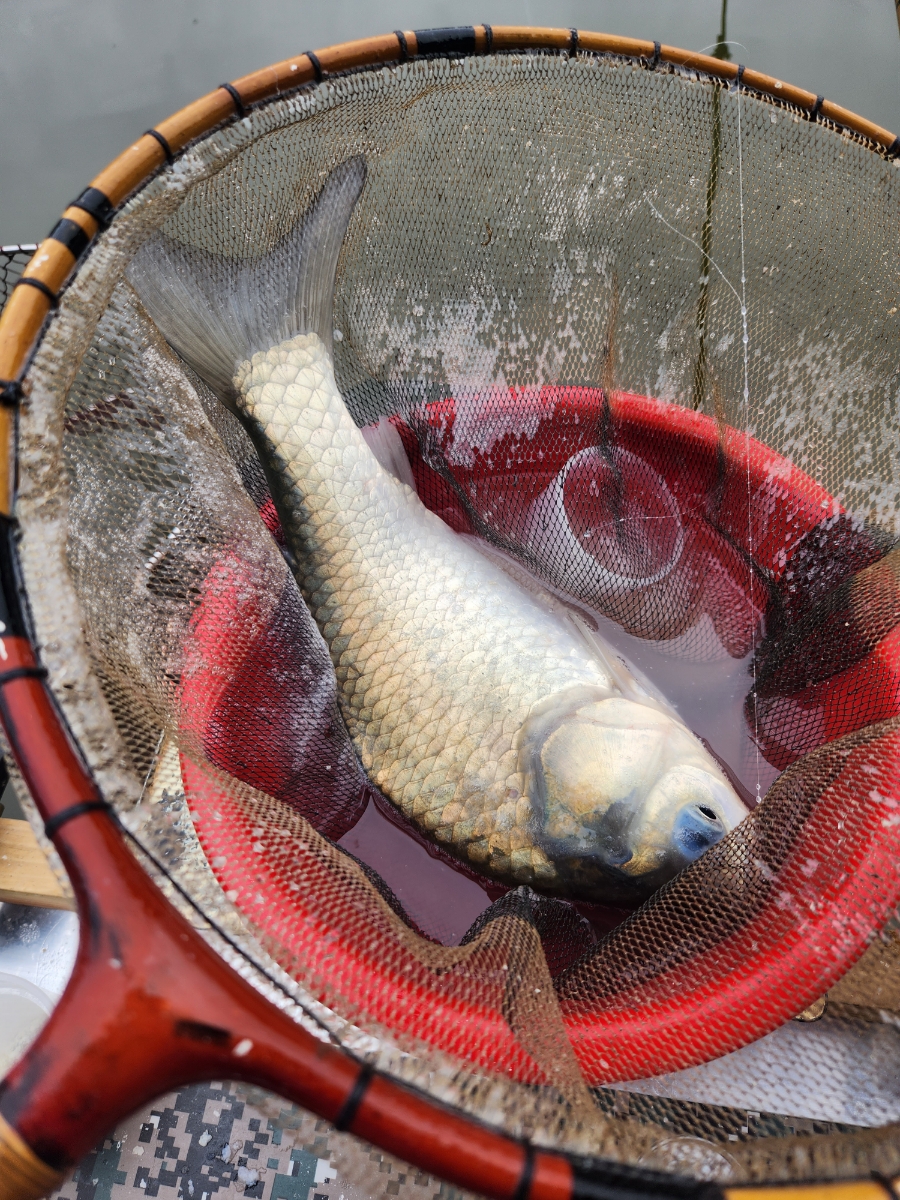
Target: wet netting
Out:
[631,335]
[13,259]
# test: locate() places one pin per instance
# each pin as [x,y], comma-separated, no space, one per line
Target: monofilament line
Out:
[741,298]
[712,262]
[746,414]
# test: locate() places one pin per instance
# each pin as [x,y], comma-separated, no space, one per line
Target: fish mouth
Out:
[698,828]
[623,795]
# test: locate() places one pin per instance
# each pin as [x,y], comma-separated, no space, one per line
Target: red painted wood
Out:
[150,1006]
[552,1178]
[48,761]
[389,1112]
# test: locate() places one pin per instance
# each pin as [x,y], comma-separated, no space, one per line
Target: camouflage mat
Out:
[206,1141]
[203,1142]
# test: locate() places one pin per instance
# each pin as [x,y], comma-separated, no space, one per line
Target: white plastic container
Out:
[23,1010]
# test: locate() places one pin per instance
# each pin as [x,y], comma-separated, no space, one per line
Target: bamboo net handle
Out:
[22,1174]
[863,1189]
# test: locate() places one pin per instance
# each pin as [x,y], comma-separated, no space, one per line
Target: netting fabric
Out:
[632,336]
[13,259]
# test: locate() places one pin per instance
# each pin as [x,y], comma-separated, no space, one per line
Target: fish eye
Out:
[707,812]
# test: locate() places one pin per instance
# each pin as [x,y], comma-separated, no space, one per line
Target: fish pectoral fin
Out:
[602,653]
[627,679]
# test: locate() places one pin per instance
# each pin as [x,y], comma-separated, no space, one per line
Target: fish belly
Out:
[439,655]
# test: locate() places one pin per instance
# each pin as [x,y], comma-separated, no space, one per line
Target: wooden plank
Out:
[25,874]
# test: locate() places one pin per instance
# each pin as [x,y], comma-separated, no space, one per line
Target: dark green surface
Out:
[11,807]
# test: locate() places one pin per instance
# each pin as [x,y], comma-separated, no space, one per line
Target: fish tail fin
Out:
[217,311]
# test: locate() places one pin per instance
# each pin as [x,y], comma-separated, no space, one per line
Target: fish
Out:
[504,731]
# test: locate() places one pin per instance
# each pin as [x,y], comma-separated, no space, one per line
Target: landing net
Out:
[635,333]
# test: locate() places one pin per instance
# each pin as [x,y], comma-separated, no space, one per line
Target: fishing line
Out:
[715,45]
[741,298]
[746,342]
[688,238]
[153,764]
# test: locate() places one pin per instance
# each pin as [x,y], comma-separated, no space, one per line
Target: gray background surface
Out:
[80,82]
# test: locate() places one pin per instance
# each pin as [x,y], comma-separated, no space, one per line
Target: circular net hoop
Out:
[589,293]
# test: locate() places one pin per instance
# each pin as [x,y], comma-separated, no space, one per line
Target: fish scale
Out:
[439,655]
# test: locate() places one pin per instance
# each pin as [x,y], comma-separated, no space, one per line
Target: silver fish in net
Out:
[505,732]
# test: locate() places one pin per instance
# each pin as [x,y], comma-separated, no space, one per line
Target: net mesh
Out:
[13,259]
[634,336]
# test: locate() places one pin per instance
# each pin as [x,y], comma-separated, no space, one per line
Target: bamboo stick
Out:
[25,874]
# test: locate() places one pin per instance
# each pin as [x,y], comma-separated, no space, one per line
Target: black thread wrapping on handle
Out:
[71,235]
[573,42]
[166,148]
[53,826]
[523,1187]
[22,673]
[96,204]
[404,45]
[458,40]
[350,1107]
[316,65]
[236,97]
[12,590]
[30,281]
[488,38]
[598,1180]
[11,393]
